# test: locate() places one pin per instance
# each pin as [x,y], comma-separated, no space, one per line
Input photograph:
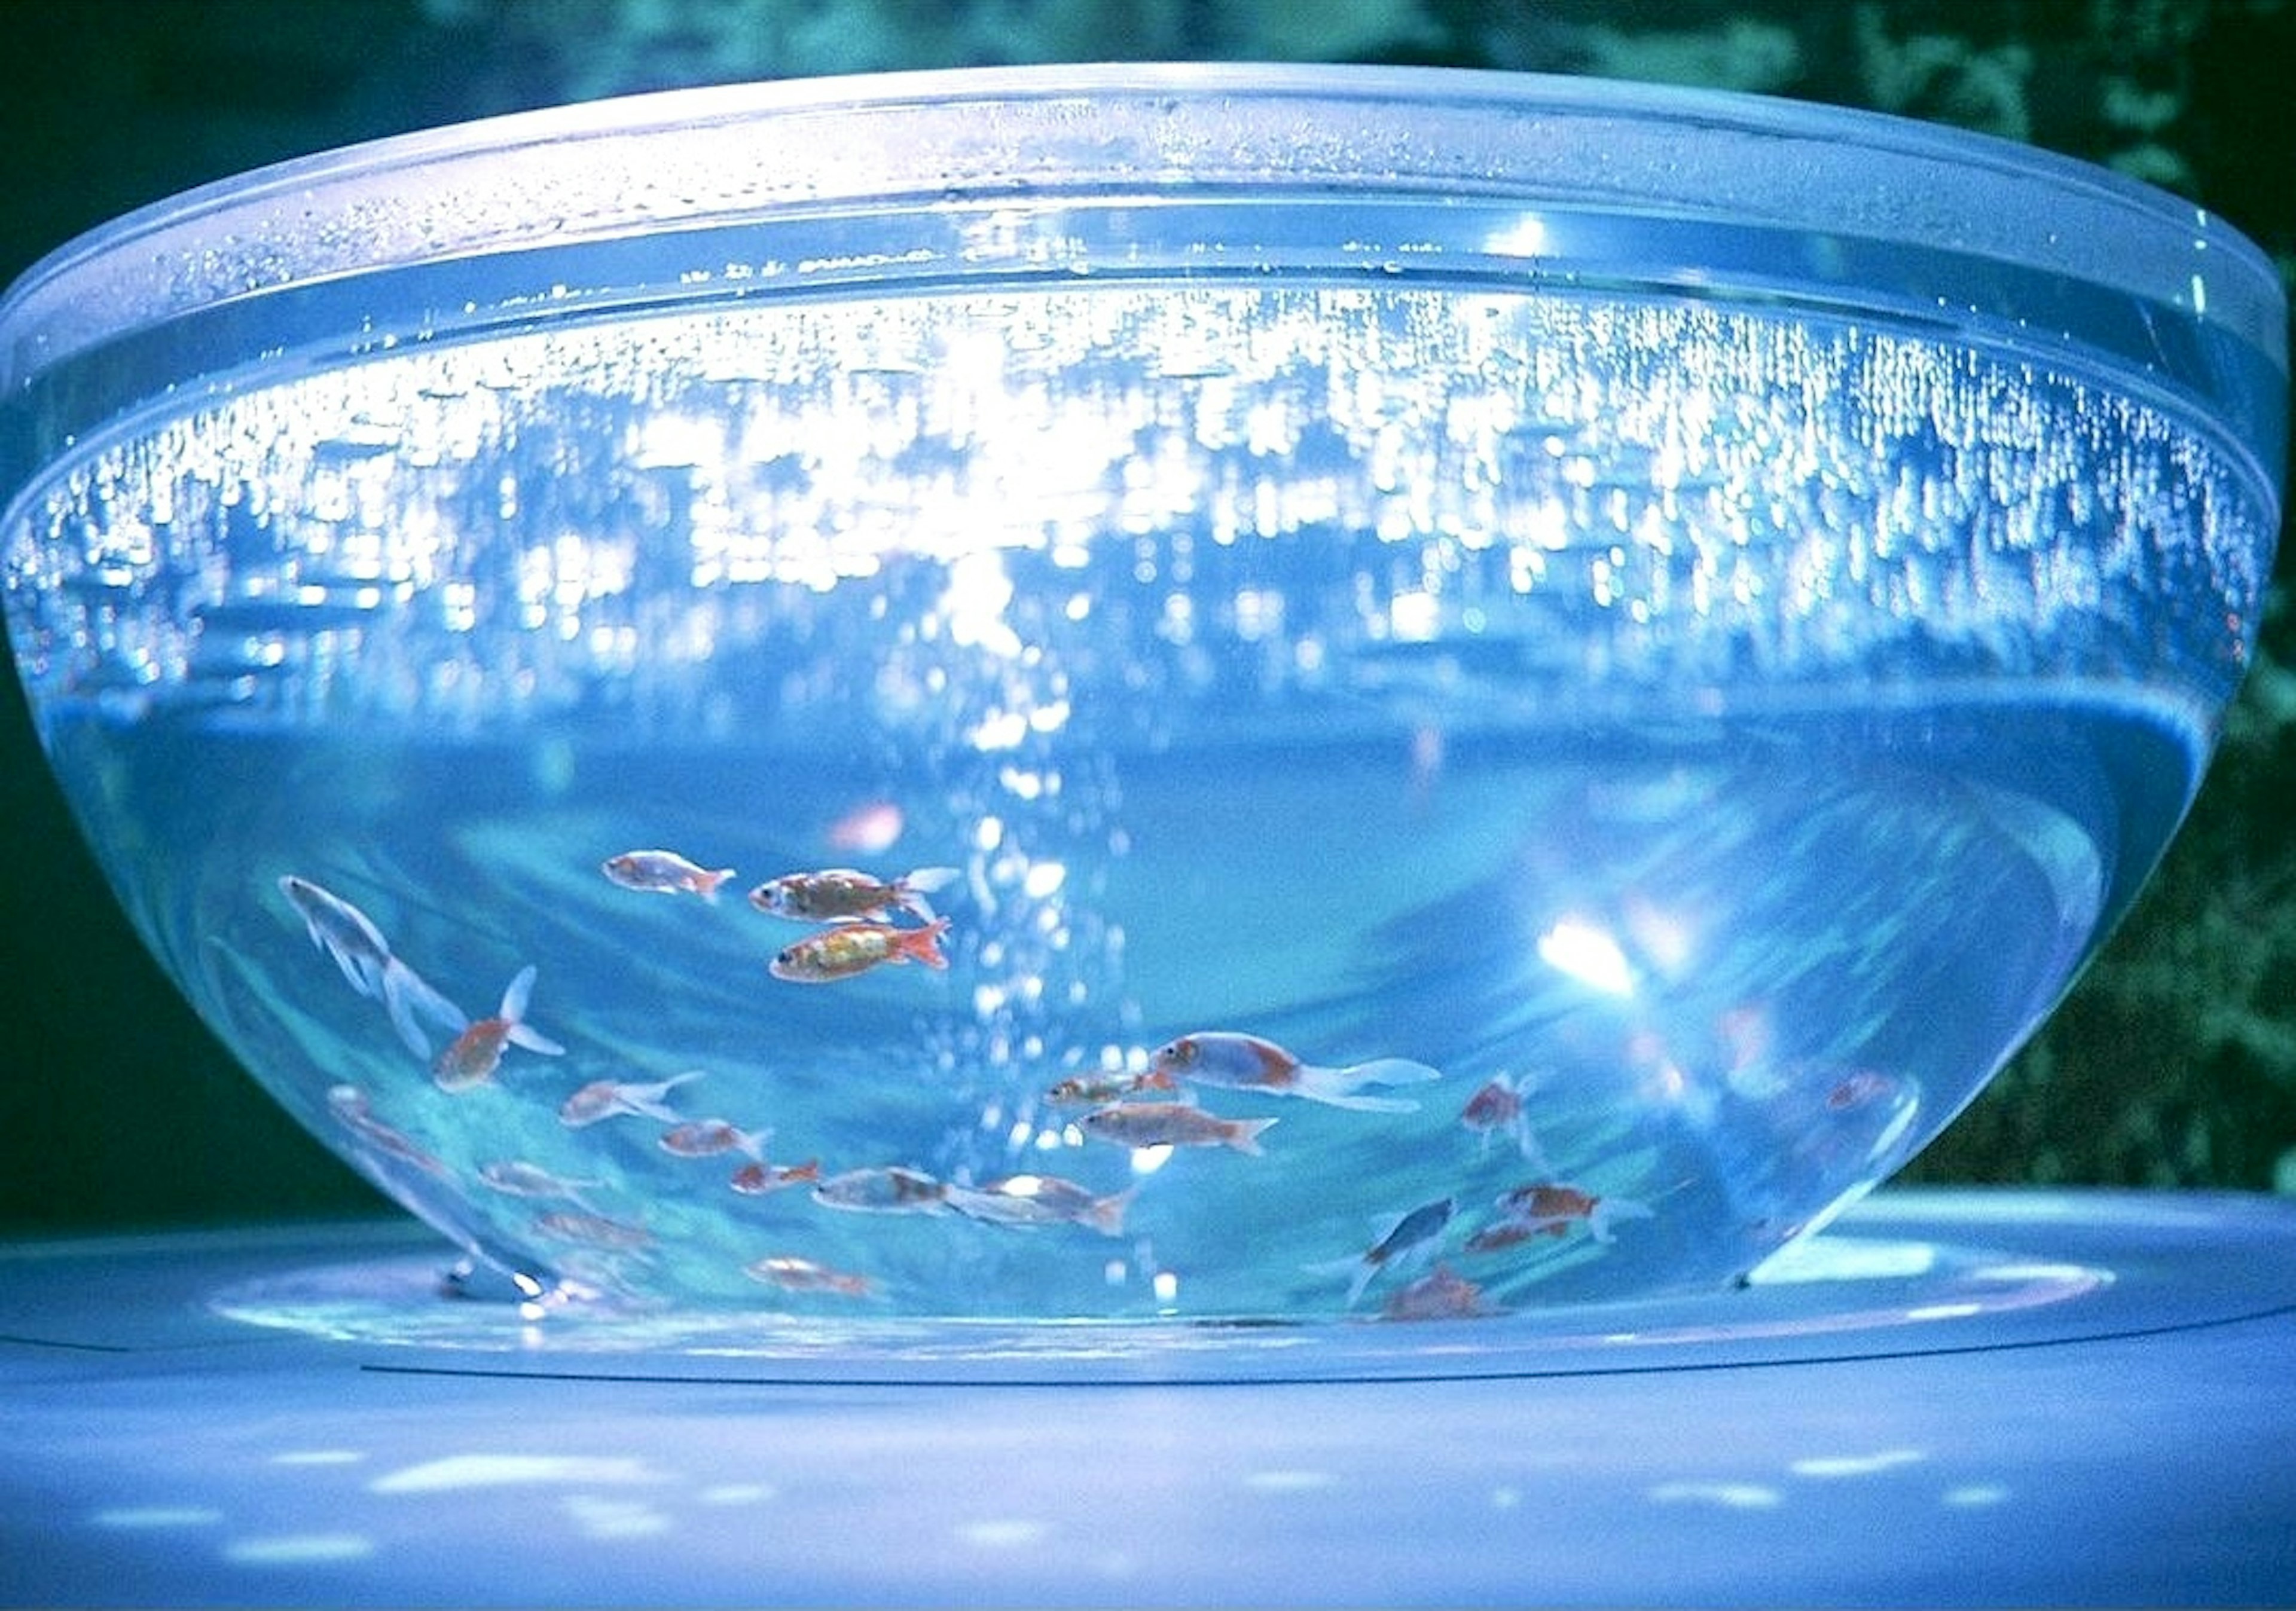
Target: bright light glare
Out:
[1526,237]
[1588,955]
[299,1549]
[978,589]
[499,1470]
[1854,1465]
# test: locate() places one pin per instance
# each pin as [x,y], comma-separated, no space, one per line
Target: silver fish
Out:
[350,938]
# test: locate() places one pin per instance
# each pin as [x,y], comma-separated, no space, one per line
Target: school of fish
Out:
[860,923]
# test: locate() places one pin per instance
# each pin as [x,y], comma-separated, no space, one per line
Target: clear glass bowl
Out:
[1434,693]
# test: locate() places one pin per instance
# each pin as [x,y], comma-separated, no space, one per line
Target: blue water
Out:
[1730,735]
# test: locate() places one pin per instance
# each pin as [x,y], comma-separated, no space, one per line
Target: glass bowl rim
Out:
[1291,128]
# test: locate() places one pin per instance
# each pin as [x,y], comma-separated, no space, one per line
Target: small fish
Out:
[1858,1088]
[477,1051]
[1042,1200]
[707,1138]
[837,894]
[1171,1124]
[1406,1241]
[350,938]
[592,1230]
[845,949]
[514,1177]
[887,1190]
[1498,1109]
[610,1099]
[664,872]
[1545,1201]
[1503,1233]
[1437,1296]
[1245,1062]
[1549,1210]
[757,1179]
[1099,1090]
[347,1105]
[792,1275]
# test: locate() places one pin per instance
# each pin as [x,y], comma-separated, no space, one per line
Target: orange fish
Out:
[839,893]
[1245,1062]
[1497,1109]
[1544,1209]
[1437,1296]
[1098,1089]
[610,1099]
[706,1138]
[757,1179]
[477,1051]
[1503,1233]
[1543,1201]
[846,949]
[664,872]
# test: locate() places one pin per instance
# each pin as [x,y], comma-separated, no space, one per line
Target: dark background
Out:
[2173,1063]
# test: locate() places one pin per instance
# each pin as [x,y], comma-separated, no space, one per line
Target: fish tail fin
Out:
[1608,1210]
[707,884]
[1392,1071]
[515,996]
[402,1019]
[1526,1143]
[1357,1269]
[912,890]
[1106,1215]
[408,997]
[1344,1087]
[1357,1103]
[1243,1135]
[923,944]
[655,1106]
